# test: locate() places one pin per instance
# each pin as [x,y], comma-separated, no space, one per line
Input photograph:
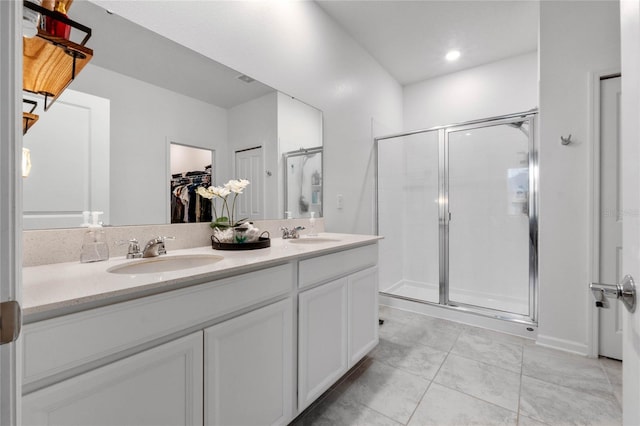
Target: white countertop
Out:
[63,288]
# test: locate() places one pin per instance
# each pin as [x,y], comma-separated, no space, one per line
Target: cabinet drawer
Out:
[59,344]
[334,265]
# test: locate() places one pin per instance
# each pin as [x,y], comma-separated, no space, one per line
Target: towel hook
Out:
[567,140]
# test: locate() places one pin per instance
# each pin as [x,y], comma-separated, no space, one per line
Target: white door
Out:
[160,386]
[78,125]
[363,314]
[322,339]
[610,264]
[10,199]
[250,166]
[630,130]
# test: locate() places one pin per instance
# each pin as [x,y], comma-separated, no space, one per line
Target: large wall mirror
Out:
[105,145]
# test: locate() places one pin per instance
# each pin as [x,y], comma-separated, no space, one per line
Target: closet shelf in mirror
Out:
[51,63]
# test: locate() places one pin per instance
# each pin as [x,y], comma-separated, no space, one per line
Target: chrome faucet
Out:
[155,247]
[134,248]
[288,234]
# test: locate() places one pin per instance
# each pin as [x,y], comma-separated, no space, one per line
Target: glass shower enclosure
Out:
[457,206]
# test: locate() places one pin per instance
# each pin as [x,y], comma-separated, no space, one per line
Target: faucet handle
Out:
[131,242]
[162,239]
[134,247]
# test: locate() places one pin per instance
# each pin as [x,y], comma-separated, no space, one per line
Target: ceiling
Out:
[132,50]
[410,38]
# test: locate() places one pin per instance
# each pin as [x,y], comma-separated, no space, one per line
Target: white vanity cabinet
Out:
[337,320]
[253,346]
[160,386]
[248,368]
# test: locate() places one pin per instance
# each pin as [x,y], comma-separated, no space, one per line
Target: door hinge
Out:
[10,321]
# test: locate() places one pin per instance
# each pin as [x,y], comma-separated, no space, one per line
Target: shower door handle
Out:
[625,291]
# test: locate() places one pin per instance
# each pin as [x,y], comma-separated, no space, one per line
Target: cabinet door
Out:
[161,386]
[249,368]
[322,337]
[363,314]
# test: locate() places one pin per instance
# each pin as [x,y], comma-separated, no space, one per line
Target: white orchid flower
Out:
[220,191]
[236,185]
[205,192]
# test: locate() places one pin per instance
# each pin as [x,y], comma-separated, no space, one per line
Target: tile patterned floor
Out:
[428,371]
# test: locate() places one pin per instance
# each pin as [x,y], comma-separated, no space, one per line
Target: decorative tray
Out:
[263,242]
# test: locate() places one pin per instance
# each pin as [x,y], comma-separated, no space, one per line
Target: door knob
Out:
[625,291]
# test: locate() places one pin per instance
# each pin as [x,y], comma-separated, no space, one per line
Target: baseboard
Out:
[563,344]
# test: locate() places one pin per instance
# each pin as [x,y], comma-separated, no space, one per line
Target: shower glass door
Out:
[488,196]
[408,216]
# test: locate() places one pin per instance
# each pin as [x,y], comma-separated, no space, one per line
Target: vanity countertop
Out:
[63,288]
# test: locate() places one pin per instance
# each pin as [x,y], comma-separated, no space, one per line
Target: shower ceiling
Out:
[411,38]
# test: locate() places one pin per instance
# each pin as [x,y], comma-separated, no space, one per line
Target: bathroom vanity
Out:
[251,338]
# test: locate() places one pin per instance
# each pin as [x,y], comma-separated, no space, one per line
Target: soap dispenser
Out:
[94,245]
[312,225]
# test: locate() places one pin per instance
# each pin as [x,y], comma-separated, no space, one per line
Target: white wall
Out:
[576,38]
[143,116]
[187,159]
[296,48]
[498,88]
[253,124]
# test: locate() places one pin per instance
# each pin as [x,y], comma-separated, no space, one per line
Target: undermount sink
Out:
[165,264]
[312,240]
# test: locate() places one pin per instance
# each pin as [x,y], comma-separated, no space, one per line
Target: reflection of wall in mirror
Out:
[253,124]
[299,126]
[142,117]
[186,158]
[279,124]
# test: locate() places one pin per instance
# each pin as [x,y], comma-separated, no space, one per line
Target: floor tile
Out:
[477,380]
[613,370]
[439,334]
[423,361]
[565,369]
[436,333]
[528,421]
[489,383]
[554,404]
[387,390]
[335,409]
[388,313]
[498,336]
[443,406]
[489,350]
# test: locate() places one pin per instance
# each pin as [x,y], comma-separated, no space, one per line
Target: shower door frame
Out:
[444,214]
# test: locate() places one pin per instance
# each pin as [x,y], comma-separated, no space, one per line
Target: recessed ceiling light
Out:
[452,55]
